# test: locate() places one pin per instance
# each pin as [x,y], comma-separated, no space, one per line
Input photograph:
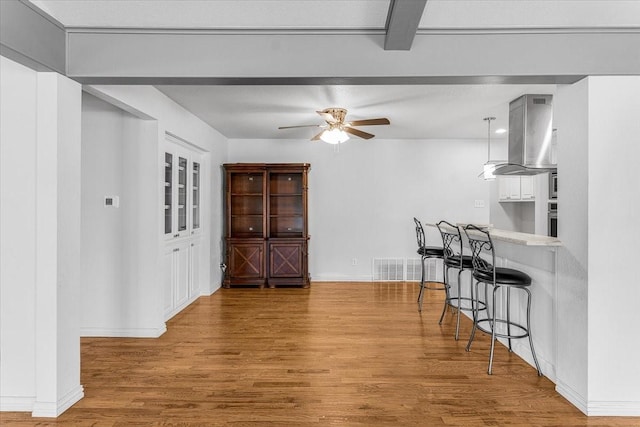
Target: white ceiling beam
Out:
[402,23]
[169,56]
[31,37]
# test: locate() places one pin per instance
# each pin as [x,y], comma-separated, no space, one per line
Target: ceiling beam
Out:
[402,23]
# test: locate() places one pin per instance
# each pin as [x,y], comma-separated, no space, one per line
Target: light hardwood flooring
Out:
[337,354]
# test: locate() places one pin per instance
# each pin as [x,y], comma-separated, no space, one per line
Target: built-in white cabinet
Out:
[182,185]
[181,266]
[516,188]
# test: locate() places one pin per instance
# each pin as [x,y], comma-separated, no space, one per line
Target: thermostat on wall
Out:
[112,201]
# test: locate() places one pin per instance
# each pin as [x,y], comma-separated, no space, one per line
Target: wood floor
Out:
[337,354]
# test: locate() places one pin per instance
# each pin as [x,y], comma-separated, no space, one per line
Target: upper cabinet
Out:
[516,188]
[182,191]
[266,224]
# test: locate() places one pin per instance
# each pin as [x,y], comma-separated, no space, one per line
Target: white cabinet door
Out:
[182,276]
[503,188]
[514,187]
[195,251]
[527,188]
[168,282]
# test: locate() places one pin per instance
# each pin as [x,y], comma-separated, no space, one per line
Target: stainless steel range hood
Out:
[530,136]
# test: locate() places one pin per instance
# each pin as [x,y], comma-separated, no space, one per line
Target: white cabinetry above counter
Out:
[516,188]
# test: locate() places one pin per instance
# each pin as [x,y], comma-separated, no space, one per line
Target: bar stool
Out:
[425,252]
[499,278]
[454,258]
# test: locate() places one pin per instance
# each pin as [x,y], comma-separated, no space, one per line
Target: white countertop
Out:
[518,238]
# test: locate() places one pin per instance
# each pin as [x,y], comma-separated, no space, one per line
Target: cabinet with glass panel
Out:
[182,192]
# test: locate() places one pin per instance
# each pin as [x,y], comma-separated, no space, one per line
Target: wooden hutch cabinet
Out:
[266,224]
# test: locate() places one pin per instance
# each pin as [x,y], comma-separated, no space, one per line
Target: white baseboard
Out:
[613,409]
[54,409]
[124,332]
[16,403]
[575,398]
[339,278]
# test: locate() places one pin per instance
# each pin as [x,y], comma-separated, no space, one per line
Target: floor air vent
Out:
[388,269]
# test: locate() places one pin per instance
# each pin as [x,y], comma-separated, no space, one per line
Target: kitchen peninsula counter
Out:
[525,239]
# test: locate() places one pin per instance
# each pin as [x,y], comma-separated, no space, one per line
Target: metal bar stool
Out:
[499,278]
[454,258]
[425,252]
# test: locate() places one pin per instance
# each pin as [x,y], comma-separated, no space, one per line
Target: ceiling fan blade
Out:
[328,117]
[357,132]
[317,137]
[301,126]
[370,122]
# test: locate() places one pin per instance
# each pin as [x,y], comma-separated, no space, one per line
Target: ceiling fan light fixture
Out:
[334,136]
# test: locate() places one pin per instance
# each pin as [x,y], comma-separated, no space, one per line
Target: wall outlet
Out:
[354,261]
[479,204]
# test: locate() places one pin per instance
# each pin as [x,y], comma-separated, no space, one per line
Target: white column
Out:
[599,148]
[57,333]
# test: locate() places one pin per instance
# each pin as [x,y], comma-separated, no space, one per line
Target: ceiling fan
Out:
[336,130]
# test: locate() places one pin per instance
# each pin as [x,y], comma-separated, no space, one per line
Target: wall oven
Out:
[553,185]
[552,229]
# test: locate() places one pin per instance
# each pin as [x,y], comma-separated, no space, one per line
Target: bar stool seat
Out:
[454,261]
[499,278]
[504,276]
[431,251]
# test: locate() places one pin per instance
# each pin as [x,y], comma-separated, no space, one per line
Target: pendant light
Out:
[489,167]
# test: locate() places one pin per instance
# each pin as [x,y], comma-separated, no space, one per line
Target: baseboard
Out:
[331,278]
[16,404]
[54,409]
[575,398]
[124,332]
[614,409]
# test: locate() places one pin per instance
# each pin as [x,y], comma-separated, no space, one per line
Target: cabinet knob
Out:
[250,228]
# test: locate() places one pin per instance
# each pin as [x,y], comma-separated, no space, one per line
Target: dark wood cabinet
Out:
[266,224]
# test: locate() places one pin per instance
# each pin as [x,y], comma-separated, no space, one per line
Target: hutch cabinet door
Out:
[286,259]
[246,260]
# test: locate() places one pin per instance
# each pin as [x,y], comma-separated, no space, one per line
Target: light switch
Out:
[479,204]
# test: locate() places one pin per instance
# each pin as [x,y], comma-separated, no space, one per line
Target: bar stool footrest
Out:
[525,332]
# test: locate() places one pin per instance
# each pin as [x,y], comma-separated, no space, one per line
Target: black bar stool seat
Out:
[431,252]
[504,276]
[454,261]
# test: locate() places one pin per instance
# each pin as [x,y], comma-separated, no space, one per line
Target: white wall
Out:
[40,227]
[117,300]
[362,199]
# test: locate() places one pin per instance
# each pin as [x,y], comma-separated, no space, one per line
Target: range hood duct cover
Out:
[530,136]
